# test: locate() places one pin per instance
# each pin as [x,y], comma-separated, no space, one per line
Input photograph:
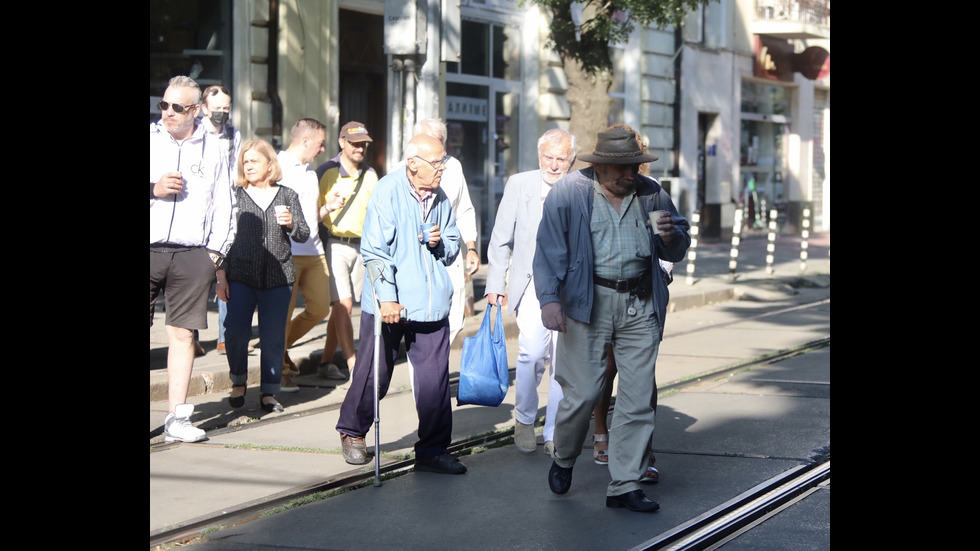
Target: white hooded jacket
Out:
[203,213]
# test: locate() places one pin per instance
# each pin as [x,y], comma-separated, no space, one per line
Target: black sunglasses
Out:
[213,91]
[178,108]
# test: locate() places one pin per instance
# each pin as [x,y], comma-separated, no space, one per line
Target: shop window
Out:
[488,50]
[189,37]
[764,127]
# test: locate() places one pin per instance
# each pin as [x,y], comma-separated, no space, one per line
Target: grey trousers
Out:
[580,370]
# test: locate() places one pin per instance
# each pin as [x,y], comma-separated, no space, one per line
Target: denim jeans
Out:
[273,308]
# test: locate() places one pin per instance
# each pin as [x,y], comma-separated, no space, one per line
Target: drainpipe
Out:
[678,46]
[273,77]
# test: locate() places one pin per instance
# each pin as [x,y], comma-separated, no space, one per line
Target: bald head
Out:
[425,159]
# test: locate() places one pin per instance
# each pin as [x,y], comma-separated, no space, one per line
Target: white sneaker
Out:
[330,372]
[178,428]
[524,437]
[287,384]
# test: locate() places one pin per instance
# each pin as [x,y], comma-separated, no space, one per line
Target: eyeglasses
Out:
[178,108]
[437,164]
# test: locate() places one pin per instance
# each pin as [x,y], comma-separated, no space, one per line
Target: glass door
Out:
[483,114]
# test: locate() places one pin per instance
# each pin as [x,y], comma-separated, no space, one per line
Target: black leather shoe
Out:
[634,501]
[237,401]
[559,478]
[445,464]
[272,405]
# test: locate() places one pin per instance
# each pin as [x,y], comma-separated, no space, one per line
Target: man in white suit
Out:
[512,246]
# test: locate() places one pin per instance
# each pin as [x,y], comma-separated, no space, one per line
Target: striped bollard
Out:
[736,232]
[803,243]
[692,252]
[771,246]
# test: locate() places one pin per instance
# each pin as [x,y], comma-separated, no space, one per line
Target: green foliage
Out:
[605,22]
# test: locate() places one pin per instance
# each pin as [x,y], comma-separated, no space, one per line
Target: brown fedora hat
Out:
[618,147]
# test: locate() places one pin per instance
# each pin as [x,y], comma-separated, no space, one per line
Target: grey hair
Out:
[411,150]
[182,81]
[556,136]
[432,127]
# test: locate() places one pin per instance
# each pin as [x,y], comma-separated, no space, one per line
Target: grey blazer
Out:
[514,237]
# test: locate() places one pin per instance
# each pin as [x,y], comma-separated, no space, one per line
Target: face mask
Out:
[218,118]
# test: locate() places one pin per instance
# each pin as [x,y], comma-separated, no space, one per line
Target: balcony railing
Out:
[816,12]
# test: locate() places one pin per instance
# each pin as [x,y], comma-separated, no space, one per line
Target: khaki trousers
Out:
[580,371]
[313,280]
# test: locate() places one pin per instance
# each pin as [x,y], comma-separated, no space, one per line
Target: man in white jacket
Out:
[191,230]
[512,246]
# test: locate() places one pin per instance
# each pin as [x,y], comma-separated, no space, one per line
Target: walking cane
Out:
[374,269]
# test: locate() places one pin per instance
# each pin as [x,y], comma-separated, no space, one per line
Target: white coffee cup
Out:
[279,210]
[654,216]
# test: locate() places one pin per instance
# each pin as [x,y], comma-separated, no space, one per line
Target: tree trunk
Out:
[588,97]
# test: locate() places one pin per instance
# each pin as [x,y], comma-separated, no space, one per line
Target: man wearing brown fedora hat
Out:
[596,277]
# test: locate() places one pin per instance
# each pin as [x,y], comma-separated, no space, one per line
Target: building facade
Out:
[754,113]
[696,95]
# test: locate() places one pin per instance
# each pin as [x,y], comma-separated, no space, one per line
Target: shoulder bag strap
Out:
[343,211]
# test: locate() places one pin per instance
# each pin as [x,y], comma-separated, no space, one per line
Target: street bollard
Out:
[771,245]
[692,252]
[803,243]
[736,232]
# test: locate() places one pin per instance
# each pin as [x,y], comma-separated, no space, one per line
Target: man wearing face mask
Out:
[216,119]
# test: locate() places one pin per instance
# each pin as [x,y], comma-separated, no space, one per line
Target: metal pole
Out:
[374,269]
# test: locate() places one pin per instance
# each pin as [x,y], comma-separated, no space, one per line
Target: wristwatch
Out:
[217,260]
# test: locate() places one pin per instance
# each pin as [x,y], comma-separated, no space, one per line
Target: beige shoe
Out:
[288,367]
[524,437]
[549,449]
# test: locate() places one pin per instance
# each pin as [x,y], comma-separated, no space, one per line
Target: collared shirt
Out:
[424,198]
[621,240]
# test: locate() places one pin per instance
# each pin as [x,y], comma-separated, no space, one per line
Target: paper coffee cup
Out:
[279,210]
[654,216]
[424,230]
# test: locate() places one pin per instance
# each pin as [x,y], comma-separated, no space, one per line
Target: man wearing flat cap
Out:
[598,281]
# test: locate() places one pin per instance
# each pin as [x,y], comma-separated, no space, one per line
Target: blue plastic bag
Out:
[484,375]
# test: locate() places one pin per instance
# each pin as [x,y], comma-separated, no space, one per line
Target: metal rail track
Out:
[698,534]
[727,521]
